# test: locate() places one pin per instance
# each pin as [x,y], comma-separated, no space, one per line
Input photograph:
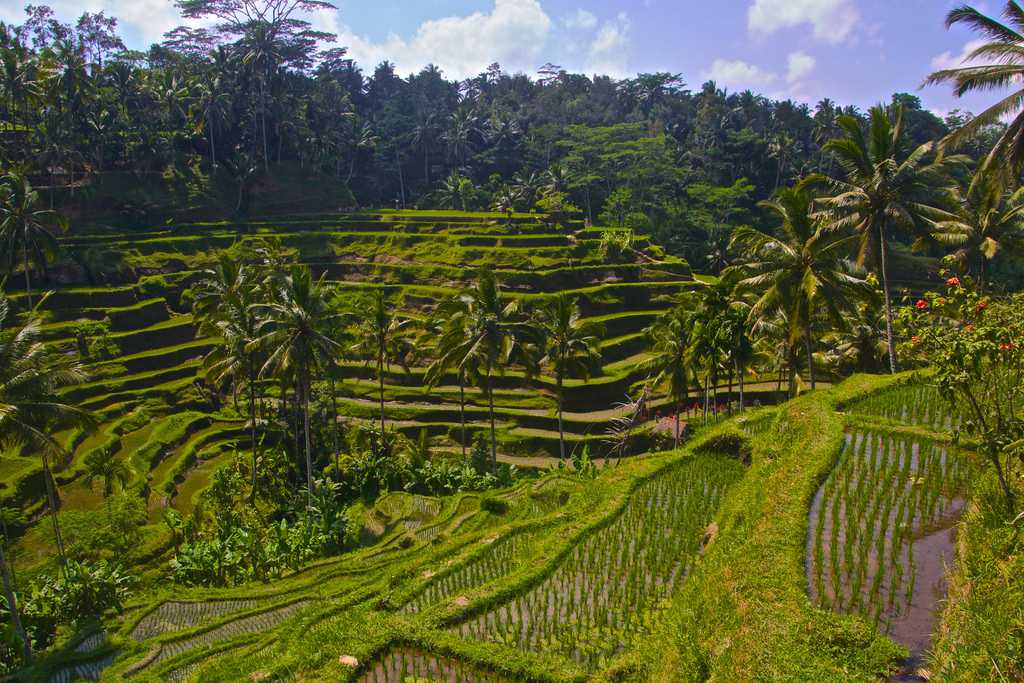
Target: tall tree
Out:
[384,337]
[27,231]
[884,189]
[988,221]
[797,273]
[225,309]
[295,333]
[1003,48]
[32,376]
[570,347]
[671,359]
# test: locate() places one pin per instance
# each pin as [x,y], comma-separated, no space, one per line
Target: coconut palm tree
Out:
[27,231]
[570,347]
[988,222]
[103,465]
[385,338]
[883,189]
[294,333]
[798,272]
[671,358]
[32,375]
[1004,53]
[224,309]
[444,334]
[495,337]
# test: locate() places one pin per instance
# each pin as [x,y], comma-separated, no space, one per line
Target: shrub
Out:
[83,591]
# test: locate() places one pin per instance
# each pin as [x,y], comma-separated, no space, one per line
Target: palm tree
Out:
[294,332]
[571,346]
[797,273]
[384,337]
[26,230]
[987,222]
[494,337]
[671,358]
[103,465]
[1004,51]
[444,334]
[883,190]
[32,375]
[224,308]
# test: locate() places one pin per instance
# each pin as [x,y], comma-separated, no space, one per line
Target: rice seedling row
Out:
[407,665]
[919,405]
[88,671]
[174,616]
[609,587]
[251,624]
[886,495]
[500,558]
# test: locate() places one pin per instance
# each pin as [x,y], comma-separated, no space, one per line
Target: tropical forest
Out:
[332,349]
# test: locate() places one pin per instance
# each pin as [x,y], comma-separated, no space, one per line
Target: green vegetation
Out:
[395,445]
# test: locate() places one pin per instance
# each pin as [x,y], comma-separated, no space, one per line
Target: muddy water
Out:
[887,557]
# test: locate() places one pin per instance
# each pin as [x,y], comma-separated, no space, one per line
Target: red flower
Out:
[969,328]
[953,281]
[981,305]
[915,339]
[921,304]
[1007,346]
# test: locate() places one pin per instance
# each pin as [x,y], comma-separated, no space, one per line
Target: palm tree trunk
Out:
[791,360]
[561,430]
[490,408]
[213,144]
[51,498]
[462,410]
[889,338]
[810,358]
[334,411]
[739,379]
[252,424]
[305,424]
[12,606]
[728,394]
[263,125]
[28,282]
[380,383]
[707,397]
[678,408]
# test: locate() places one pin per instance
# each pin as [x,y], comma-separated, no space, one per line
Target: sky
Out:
[852,51]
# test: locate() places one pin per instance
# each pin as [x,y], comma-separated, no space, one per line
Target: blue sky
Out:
[854,51]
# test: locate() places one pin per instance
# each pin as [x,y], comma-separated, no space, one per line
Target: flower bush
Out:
[976,345]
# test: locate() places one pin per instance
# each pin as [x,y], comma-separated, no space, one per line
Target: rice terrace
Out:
[343,343]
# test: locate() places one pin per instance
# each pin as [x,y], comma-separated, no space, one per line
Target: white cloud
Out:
[947,60]
[799,65]
[608,54]
[738,75]
[140,22]
[581,20]
[832,20]
[512,34]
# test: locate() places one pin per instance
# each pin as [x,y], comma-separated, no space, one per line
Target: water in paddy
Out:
[409,665]
[882,532]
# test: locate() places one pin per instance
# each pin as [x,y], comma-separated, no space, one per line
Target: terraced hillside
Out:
[143,354]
